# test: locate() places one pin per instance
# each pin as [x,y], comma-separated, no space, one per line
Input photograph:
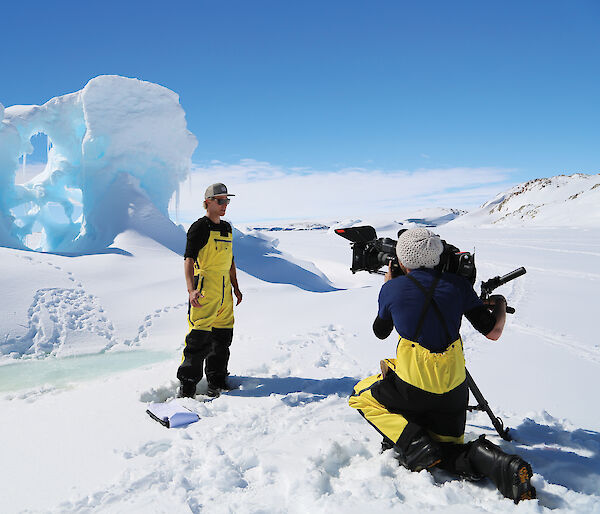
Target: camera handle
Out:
[489,285]
[482,405]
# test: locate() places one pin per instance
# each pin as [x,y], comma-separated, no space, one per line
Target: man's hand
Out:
[388,274]
[194,295]
[238,295]
[496,300]
[497,304]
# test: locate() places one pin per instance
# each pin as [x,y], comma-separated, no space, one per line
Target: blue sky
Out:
[328,85]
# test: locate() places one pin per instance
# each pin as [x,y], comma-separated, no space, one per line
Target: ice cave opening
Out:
[34,162]
[39,219]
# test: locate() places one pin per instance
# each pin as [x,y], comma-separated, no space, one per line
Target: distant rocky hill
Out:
[563,200]
[429,217]
[297,225]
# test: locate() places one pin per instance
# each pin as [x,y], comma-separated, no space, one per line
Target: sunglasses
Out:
[222,201]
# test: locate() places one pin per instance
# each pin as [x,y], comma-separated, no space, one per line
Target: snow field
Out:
[286,440]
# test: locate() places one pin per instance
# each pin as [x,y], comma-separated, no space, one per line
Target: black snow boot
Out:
[422,452]
[510,473]
[386,444]
[213,390]
[187,389]
[220,382]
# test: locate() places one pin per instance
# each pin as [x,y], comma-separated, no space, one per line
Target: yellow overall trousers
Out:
[418,388]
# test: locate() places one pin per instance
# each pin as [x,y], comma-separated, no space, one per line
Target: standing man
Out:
[419,401]
[210,275]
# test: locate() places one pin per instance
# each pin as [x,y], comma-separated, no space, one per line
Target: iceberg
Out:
[118,150]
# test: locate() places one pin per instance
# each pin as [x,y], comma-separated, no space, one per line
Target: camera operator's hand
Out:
[496,301]
[388,273]
[497,304]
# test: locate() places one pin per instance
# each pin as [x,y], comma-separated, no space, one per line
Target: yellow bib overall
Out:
[416,385]
[211,276]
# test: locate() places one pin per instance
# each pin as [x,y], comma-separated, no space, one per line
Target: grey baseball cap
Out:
[217,189]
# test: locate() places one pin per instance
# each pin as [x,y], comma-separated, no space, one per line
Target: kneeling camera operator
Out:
[420,399]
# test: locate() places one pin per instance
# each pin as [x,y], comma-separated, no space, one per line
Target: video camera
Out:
[370,253]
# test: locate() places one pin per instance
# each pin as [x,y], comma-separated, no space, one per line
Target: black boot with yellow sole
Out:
[510,473]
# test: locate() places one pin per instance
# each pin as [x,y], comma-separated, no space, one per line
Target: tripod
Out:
[482,405]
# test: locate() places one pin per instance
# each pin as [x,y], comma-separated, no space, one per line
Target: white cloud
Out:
[267,191]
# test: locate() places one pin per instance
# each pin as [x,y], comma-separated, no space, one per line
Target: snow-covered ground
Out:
[76,436]
[89,339]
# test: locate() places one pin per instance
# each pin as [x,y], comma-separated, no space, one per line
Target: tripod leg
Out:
[483,405]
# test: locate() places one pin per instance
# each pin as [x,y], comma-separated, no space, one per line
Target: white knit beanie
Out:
[419,248]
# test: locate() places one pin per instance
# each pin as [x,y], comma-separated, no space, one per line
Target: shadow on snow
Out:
[262,260]
[309,389]
[567,458]
[570,458]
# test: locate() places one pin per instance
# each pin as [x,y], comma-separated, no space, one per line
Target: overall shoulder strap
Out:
[429,300]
